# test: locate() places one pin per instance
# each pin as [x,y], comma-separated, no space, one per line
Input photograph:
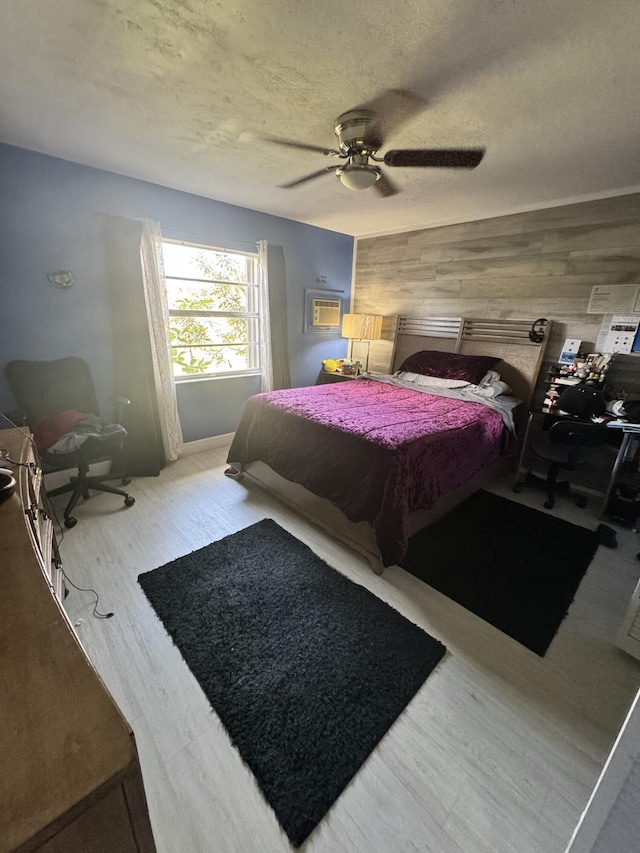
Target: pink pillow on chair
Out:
[48,429]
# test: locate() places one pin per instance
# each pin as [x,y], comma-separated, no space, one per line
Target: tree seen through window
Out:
[213,308]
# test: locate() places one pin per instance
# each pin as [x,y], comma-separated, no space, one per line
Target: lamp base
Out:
[360,352]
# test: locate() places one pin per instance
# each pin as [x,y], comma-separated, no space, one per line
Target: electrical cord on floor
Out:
[96,612]
[52,513]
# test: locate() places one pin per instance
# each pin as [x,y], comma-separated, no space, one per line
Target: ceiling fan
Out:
[360,134]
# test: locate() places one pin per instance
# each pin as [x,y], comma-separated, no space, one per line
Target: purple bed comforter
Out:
[377,451]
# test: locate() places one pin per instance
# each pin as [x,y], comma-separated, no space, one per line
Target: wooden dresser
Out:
[70,781]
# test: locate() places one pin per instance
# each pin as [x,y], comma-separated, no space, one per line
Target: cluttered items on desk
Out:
[624,414]
[590,368]
[576,385]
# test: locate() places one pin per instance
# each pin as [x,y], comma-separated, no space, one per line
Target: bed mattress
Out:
[377,451]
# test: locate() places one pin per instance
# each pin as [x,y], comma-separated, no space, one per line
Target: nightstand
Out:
[327,377]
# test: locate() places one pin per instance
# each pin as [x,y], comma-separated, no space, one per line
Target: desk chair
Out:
[42,391]
[562,447]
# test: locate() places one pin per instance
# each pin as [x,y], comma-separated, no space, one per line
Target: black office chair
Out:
[47,394]
[562,447]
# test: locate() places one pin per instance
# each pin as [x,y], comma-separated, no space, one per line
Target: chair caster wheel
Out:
[129,501]
[548,504]
[517,489]
[581,502]
[70,522]
[125,481]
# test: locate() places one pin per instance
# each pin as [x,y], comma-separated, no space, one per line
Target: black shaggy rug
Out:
[306,669]
[513,566]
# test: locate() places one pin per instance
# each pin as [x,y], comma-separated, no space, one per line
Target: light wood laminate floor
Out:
[498,751]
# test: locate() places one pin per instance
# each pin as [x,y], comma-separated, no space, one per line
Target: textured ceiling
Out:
[180,92]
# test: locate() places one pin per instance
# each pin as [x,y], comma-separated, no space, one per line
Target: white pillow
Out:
[491,385]
[431,381]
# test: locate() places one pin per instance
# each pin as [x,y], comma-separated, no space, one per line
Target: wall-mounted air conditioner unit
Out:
[326,312]
[323,311]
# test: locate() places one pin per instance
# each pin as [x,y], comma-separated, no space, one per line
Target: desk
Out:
[71,777]
[628,430]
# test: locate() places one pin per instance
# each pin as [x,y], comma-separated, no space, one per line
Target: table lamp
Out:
[361,329]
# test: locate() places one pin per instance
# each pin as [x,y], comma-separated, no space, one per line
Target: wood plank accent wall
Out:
[537,264]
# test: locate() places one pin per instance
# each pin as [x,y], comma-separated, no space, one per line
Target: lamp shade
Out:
[366,327]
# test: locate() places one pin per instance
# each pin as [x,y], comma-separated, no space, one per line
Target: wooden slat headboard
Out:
[505,339]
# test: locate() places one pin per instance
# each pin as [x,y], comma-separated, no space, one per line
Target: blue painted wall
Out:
[50,219]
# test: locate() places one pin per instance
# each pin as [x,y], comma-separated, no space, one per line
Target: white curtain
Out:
[266,361]
[155,294]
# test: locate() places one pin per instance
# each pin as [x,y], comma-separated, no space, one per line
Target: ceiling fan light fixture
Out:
[357,177]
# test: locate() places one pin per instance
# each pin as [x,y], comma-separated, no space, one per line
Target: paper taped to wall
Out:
[609,298]
[617,333]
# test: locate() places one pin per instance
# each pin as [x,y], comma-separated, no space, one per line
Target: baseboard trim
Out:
[60,478]
[213,442]
[97,469]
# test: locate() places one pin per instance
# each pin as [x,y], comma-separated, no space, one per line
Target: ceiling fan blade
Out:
[385,187]
[449,158]
[302,146]
[310,177]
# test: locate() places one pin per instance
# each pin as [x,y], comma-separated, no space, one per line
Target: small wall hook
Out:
[61,278]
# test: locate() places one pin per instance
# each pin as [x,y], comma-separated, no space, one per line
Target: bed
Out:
[375,459]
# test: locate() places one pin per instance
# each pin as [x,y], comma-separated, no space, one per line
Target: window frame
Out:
[252,315]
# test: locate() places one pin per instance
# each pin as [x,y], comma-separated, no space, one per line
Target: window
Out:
[214,310]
